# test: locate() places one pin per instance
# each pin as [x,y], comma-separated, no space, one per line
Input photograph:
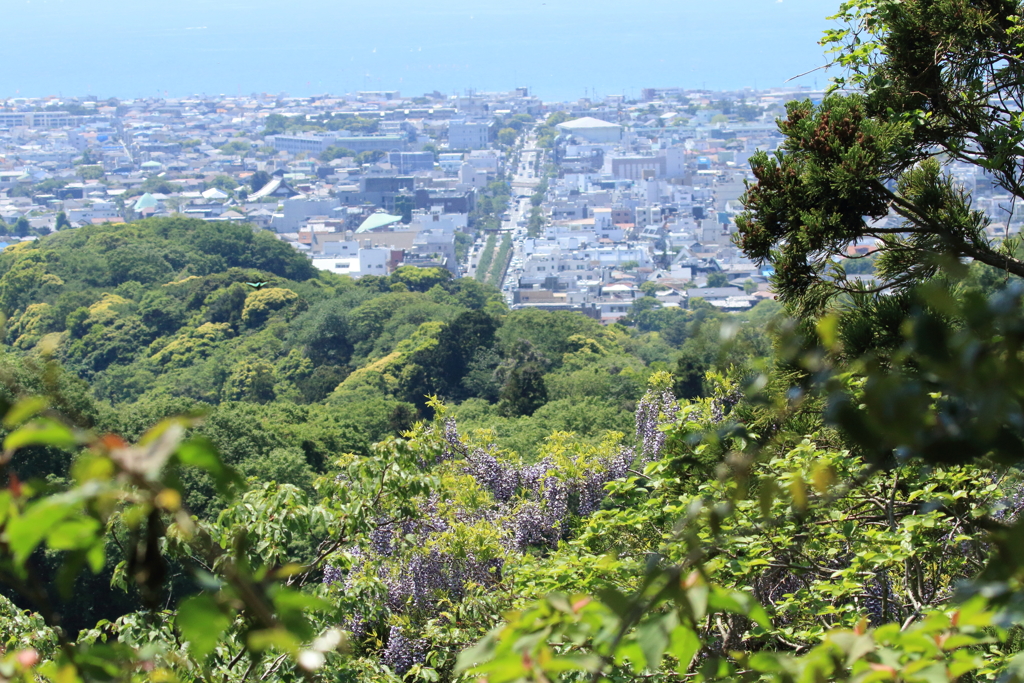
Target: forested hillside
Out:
[167,317]
[162,317]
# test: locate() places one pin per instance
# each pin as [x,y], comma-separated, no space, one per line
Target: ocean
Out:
[560,49]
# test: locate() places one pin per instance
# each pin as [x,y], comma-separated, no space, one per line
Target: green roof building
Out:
[377,220]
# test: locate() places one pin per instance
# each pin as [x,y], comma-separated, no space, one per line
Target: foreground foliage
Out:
[884,543]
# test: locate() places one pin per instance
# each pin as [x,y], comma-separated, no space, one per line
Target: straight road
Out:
[524,183]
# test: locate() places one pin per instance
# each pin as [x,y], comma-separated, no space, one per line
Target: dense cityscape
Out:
[566,206]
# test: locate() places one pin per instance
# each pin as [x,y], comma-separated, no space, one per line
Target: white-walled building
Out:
[483,159]
[592,130]
[450,162]
[675,161]
[425,220]
[471,177]
[348,258]
[463,134]
[103,211]
[298,209]
[648,215]
[636,167]
[604,228]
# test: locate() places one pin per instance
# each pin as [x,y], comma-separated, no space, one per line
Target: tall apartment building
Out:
[464,134]
[315,144]
[633,168]
[407,162]
[39,119]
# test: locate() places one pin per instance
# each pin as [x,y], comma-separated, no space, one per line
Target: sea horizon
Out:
[559,50]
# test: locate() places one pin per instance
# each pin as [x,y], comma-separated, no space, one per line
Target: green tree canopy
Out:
[332,153]
[223,182]
[507,136]
[258,179]
[21,227]
[875,165]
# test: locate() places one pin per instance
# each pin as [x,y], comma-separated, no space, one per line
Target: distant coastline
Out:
[561,51]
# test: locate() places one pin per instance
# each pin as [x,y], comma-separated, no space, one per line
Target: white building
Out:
[315,144]
[648,215]
[675,161]
[39,119]
[603,226]
[102,211]
[612,303]
[450,162]
[483,159]
[471,177]
[425,220]
[592,130]
[298,209]
[348,258]
[463,134]
[636,168]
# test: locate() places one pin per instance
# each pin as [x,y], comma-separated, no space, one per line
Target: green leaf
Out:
[97,558]
[508,667]
[633,654]
[41,432]
[292,600]
[738,602]
[481,652]
[653,638]
[765,662]
[562,663]
[23,410]
[616,601]
[1014,671]
[5,505]
[683,645]
[697,597]
[26,532]
[200,452]
[75,533]
[560,602]
[959,667]
[932,673]
[293,609]
[202,623]
[277,638]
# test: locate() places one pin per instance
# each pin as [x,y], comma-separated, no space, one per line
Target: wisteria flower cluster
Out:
[414,576]
[721,405]
[655,410]
[401,651]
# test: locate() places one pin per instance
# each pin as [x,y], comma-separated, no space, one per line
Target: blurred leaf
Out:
[23,410]
[26,532]
[653,637]
[202,623]
[200,452]
[278,638]
[148,458]
[798,491]
[683,646]
[41,432]
[72,534]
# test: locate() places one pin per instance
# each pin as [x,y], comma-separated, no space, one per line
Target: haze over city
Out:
[560,49]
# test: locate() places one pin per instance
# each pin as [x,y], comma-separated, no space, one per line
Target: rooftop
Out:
[377,220]
[587,122]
